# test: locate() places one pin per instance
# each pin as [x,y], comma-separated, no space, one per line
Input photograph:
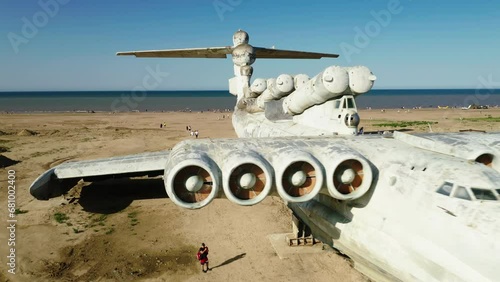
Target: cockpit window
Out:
[336,104]
[350,103]
[445,189]
[462,193]
[483,194]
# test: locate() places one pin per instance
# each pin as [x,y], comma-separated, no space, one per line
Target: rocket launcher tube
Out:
[361,79]
[300,80]
[330,83]
[276,89]
[258,86]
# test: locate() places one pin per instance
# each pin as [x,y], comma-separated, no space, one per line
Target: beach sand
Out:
[130,230]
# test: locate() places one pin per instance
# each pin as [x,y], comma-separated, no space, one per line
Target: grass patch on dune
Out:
[110,231]
[20,211]
[487,119]
[133,218]
[60,217]
[404,123]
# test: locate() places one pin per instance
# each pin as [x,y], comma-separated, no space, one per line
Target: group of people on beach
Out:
[191,132]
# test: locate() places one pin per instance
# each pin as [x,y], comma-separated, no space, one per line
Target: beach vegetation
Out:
[20,211]
[97,220]
[76,230]
[60,217]
[133,218]
[132,214]
[489,118]
[405,123]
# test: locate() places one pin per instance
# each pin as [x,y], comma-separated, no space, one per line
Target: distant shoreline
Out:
[495,90]
[231,110]
[127,101]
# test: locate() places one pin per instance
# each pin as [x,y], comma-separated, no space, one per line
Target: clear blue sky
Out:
[424,44]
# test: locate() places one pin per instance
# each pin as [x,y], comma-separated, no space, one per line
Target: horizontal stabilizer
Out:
[221,52]
[267,53]
[52,182]
[210,52]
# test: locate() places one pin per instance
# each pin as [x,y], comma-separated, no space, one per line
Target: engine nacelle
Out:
[249,170]
[247,178]
[192,178]
[349,176]
[299,176]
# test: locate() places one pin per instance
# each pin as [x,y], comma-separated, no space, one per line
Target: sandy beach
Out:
[130,230]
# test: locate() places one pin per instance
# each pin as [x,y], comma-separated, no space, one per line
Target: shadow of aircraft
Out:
[111,196]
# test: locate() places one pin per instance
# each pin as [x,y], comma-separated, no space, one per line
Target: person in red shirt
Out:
[202,256]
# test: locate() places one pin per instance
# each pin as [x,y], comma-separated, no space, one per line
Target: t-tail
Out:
[327,96]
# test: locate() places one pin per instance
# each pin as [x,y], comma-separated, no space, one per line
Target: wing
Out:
[267,53]
[469,146]
[210,52]
[55,181]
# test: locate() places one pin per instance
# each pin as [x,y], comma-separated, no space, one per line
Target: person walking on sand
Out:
[196,133]
[202,256]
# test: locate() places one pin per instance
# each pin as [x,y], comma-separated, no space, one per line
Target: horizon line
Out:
[188,90]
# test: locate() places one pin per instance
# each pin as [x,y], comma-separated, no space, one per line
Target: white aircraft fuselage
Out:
[402,228]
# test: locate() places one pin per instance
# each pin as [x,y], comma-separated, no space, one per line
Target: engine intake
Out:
[193,182]
[247,178]
[349,177]
[300,178]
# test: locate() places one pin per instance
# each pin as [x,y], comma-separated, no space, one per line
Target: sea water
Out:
[123,101]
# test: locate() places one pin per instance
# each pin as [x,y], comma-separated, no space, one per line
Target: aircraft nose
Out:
[352,119]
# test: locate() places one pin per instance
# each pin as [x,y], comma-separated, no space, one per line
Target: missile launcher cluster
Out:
[300,93]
